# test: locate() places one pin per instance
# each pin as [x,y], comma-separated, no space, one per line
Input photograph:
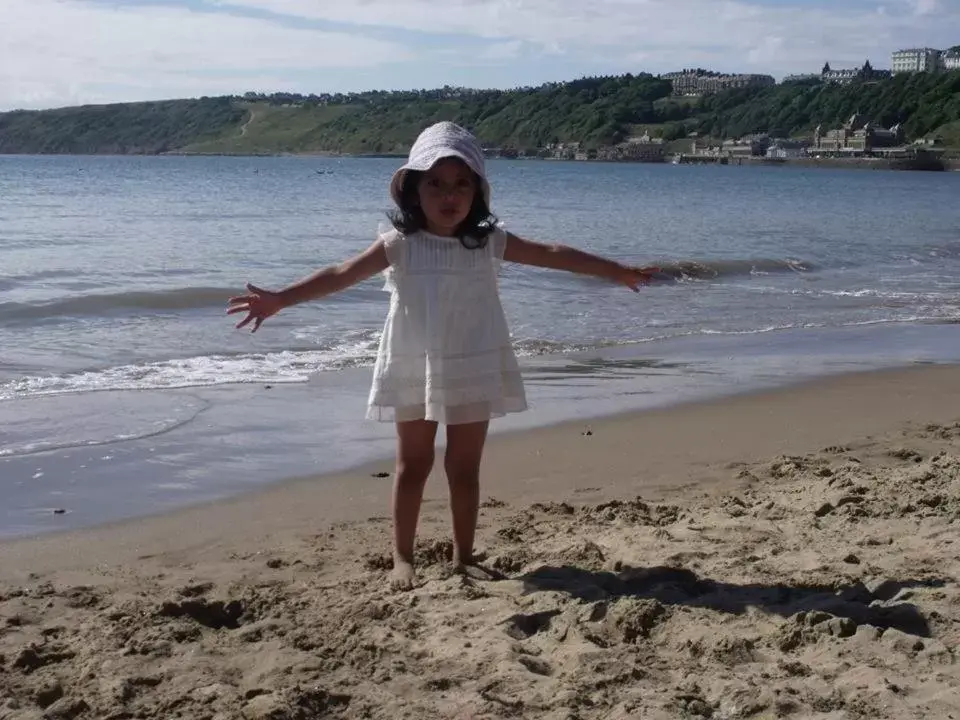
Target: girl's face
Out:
[446,192]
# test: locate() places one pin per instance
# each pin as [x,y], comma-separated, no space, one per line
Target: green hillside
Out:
[593,111]
[135,128]
[921,102]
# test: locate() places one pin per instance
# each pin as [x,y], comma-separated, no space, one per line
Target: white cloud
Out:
[59,52]
[68,51]
[495,53]
[736,31]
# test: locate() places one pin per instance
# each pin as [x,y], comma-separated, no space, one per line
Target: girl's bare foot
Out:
[474,570]
[402,576]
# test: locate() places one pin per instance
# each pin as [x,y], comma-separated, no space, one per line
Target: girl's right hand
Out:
[259,305]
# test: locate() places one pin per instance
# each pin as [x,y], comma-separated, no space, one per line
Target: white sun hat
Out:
[443,140]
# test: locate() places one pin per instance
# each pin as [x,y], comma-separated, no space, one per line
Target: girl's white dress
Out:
[445,353]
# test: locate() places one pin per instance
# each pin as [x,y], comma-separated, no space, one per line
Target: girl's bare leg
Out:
[415,452]
[462,464]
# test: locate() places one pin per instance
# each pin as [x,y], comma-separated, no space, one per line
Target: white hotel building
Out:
[916,60]
[925,60]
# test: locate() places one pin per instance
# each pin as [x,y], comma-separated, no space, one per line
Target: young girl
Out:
[445,354]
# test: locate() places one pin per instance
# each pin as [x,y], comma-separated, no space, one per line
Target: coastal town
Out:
[858,139]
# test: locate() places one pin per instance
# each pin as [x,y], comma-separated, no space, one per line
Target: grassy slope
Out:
[354,129]
[269,129]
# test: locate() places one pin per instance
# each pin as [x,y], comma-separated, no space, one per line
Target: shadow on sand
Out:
[678,586]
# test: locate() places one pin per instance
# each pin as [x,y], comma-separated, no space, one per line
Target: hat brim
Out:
[425,162]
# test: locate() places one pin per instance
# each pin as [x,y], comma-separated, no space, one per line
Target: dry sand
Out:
[783,554]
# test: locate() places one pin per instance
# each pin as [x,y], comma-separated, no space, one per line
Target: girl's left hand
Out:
[634,277]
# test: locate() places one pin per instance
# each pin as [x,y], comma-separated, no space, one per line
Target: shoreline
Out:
[900,165]
[89,487]
[362,491]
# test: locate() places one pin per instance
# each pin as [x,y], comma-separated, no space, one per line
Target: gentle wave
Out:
[719,269]
[942,302]
[691,270]
[155,301]
[192,298]
[104,303]
[936,252]
[9,282]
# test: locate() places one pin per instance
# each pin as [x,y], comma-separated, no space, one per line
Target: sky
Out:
[56,53]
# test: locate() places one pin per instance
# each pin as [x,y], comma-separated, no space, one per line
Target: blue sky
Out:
[65,52]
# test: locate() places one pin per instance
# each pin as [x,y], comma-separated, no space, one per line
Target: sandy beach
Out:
[787,553]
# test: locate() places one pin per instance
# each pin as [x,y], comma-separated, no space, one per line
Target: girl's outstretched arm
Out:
[260,304]
[562,257]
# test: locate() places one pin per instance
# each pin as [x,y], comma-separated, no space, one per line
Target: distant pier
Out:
[691,159]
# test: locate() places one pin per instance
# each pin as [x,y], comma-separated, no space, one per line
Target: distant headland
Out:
[878,118]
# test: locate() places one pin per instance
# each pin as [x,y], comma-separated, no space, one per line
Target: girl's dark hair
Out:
[409,218]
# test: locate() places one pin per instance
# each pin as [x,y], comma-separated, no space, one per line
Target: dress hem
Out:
[387,414]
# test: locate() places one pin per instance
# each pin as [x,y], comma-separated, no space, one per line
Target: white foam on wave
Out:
[948,296]
[355,350]
[203,371]
[287,366]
